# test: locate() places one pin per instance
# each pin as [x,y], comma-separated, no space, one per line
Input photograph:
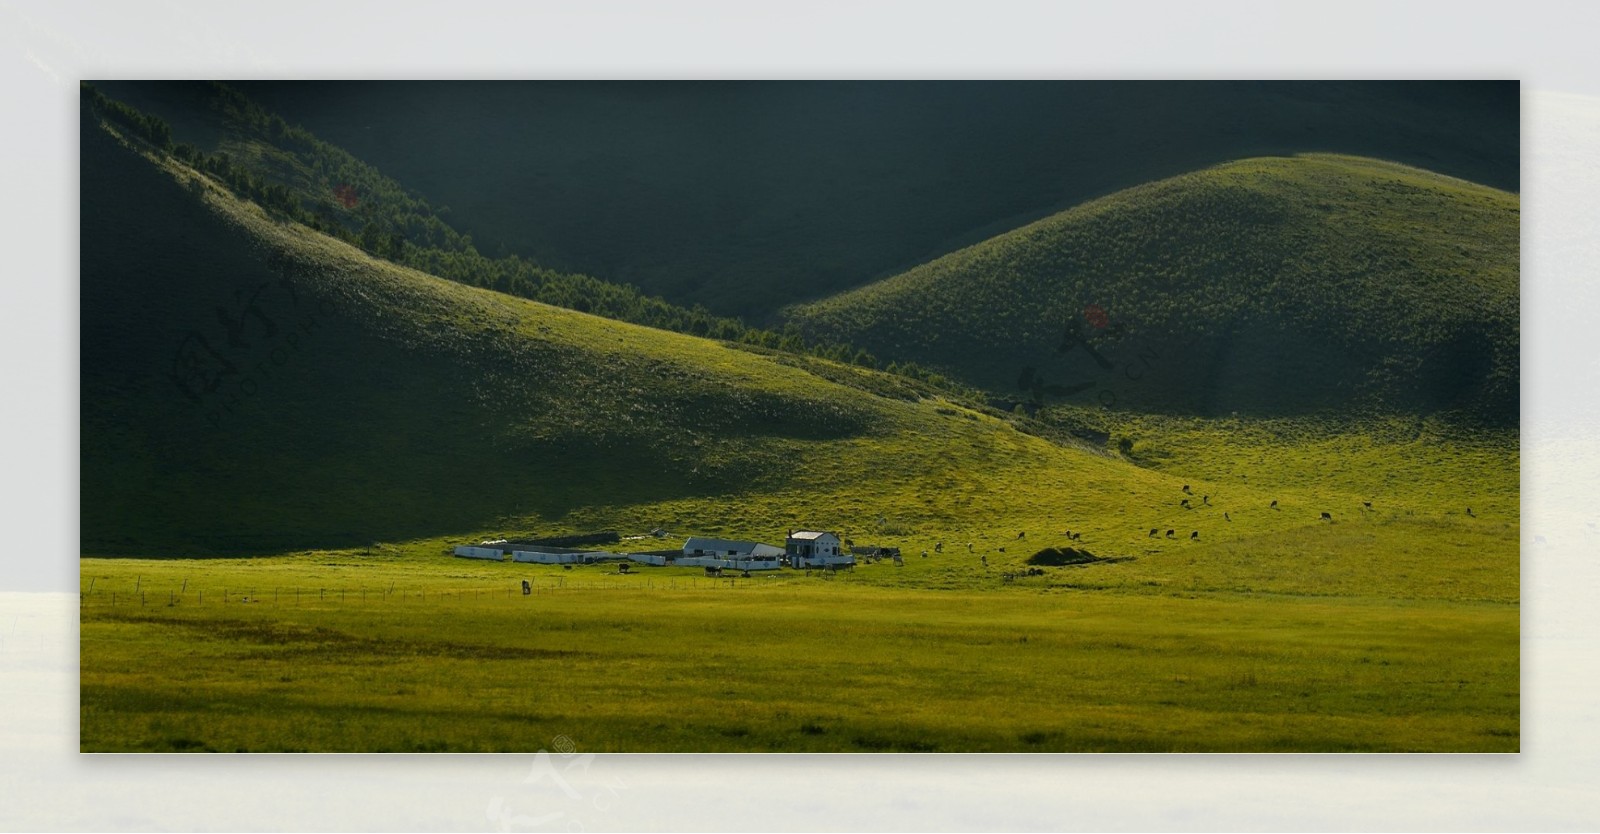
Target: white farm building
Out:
[729,553]
[563,556]
[815,549]
[469,552]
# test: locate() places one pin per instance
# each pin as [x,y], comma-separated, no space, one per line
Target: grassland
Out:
[1394,630]
[791,666]
[1268,287]
[415,413]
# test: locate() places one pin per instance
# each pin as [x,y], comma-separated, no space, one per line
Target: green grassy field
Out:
[1394,630]
[676,663]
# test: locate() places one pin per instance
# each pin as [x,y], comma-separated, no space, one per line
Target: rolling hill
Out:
[252,386]
[1269,286]
[747,196]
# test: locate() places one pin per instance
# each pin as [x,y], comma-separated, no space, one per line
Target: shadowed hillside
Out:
[749,196]
[1267,286]
[252,386]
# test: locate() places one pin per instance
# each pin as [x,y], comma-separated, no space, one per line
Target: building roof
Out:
[722,546]
[810,534]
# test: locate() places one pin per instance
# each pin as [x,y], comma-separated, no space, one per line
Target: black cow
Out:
[1172,534]
[1327,517]
[1153,532]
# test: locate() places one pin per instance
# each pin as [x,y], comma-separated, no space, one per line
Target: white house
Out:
[815,549]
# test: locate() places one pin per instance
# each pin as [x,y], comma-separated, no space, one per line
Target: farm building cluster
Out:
[802,549]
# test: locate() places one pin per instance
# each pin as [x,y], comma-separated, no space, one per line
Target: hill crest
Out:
[1271,286]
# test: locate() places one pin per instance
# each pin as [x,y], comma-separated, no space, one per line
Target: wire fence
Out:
[145,594]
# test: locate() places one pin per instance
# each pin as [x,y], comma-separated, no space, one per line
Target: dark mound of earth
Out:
[1057,556]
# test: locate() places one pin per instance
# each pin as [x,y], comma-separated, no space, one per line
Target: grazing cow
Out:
[1469,513]
[1194,535]
[1227,517]
[938,547]
[1153,532]
[1205,499]
[969,547]
[1172,534]
[1327,517]
[1273,505]
[1186,490]
[1002,550]
[713,571]
[1367,504]
[1077,536]
[1022,534]
[1185,504]
[924,554]
[985,560]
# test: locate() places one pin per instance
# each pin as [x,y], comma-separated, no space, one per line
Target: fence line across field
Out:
[145,594]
